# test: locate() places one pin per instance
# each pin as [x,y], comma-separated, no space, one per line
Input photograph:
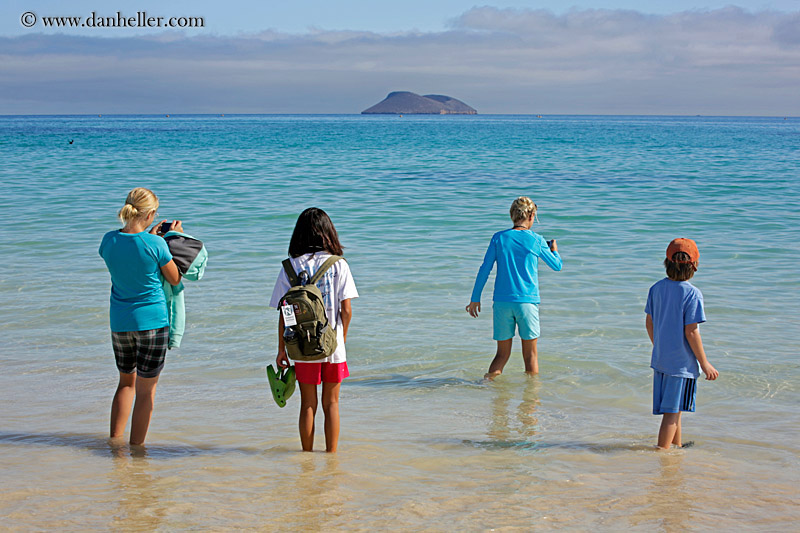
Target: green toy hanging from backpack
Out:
[307,333]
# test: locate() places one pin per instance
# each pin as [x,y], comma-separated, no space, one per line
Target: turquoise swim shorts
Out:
[510,315]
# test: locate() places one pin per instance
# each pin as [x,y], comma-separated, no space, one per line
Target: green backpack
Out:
[307,334]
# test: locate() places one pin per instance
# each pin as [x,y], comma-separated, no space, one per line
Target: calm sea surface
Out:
[425,444]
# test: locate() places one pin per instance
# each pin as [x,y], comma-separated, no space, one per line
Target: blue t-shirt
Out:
[673,305]
[517,254]
[134,261]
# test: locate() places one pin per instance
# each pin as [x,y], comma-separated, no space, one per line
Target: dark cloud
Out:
[787,31]
[726,61]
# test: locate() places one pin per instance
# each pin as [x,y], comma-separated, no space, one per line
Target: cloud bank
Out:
[726,61]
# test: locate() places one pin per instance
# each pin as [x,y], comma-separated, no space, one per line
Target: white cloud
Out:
[726,61]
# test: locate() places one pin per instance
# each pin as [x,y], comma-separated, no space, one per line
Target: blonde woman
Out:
[138,311]
[516,286]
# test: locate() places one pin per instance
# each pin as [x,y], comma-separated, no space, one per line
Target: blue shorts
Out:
[673,394]
[510,315]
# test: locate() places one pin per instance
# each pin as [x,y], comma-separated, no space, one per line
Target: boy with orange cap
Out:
[674,312]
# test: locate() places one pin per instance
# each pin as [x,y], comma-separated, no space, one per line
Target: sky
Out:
[683,57]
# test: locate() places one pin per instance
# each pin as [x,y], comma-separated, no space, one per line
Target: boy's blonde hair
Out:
[139,203]
[522,209]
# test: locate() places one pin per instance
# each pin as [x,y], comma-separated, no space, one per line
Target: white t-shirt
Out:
[337,284]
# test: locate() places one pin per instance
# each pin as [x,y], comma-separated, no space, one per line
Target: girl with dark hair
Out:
[313,241]
[314,232]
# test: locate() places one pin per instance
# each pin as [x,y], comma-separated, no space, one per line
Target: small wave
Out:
[414,382]
[569,445]
[104,446]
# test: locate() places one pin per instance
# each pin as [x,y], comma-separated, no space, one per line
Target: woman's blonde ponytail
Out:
[139,203]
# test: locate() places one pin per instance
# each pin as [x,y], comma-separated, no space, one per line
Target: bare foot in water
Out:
[688,444]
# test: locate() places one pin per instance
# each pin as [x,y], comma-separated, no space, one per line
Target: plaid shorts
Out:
[142,351]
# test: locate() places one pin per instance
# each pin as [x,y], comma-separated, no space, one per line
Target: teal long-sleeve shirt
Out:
[517,254]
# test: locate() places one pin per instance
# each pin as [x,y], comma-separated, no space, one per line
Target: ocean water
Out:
[425,443]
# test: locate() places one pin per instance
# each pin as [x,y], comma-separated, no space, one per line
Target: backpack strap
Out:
[287,266]
[325,266]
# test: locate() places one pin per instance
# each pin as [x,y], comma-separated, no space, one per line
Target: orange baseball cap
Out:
[683,245]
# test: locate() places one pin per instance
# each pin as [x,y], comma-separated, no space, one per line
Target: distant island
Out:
[408,103]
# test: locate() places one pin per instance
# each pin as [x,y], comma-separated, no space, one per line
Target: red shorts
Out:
[316,373]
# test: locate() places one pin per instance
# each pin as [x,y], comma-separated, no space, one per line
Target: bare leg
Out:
[330,406]
[669,431]
[500,359]
[530,356]
[143,408]
[121,405]
[308,410]
[676,440]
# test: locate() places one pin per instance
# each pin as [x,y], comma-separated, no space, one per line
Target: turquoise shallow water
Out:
[425,444]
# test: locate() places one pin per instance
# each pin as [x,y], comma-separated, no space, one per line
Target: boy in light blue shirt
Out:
[674,312]
[516,286]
